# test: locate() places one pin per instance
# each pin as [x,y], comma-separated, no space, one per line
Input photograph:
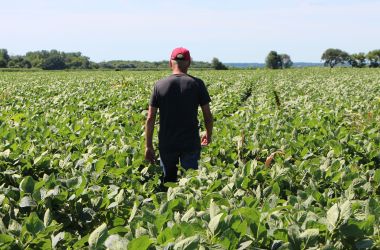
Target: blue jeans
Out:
[169,161]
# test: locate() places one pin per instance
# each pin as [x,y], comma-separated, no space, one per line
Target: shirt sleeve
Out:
[204,96]
[154,98]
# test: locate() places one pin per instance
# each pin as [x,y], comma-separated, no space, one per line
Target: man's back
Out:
[177,97]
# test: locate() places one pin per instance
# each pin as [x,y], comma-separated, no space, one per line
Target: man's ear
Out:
[170,64]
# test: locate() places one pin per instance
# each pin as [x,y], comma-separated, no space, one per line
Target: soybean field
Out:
[294,163]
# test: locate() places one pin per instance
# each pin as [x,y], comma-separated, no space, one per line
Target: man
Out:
[178,97]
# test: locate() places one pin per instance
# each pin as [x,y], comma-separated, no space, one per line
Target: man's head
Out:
[180,59]
[180,54]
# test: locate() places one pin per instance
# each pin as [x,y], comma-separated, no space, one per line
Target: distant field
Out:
[294,163]
[262,65]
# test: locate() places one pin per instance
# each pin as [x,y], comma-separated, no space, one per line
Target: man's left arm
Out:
[149,129]
[208,119]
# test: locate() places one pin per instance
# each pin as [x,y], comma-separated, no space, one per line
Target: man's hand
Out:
[206,140]
[149,155]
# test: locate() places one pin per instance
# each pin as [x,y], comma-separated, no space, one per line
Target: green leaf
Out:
[294,236]
[376,176]
[214,209]
[345,210]
[3,229]
[118,229]
[229,239]
[332,217]
[112,205]
[276,189]
[188,243]
[187,229]
[14,227]
[18,117]
[281,234]
[248,213]
[118,221]
[116,242]
[215,185]
[352,229]
[2,198]
[160,220]
[98,236]
[47,217]
[140,231]
[214,223]
[368,224]
[5,239]
[141,243]
[364,244]
[80,243]
[72,182]
[245,245]
[309,233]
[133,212]
[190,213]
[36,160]
[240,226]
[56,238]
[5,153]
[81,187]
[27,184]
[27,201]
[33,224]
[148,215]
[165,236]
[99,165]
[373,207]
[120,196]
[170,184]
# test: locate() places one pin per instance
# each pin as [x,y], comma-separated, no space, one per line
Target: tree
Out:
[37,58]
[286,62]
[273,60]
[4,58]
[19,62]
[357,60]
[374,58]
[218,65]
[54,62]
[94,65]
[333,57]
[76,61]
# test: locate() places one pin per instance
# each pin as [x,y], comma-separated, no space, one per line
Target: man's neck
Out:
[178,72]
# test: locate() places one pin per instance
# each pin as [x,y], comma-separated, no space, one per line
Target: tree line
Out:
[44,59]
[333,57]
[57,60]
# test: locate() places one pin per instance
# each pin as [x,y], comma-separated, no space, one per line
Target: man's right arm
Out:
[209,121]
[149,128]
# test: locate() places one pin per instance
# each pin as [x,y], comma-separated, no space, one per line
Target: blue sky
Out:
[233,31]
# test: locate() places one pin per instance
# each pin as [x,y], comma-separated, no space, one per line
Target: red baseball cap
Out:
[180,54]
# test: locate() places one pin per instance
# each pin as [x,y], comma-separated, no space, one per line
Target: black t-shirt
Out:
[178,97]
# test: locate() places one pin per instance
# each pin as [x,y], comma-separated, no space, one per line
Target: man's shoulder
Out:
[165,80]
[172,78]
[195,78]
